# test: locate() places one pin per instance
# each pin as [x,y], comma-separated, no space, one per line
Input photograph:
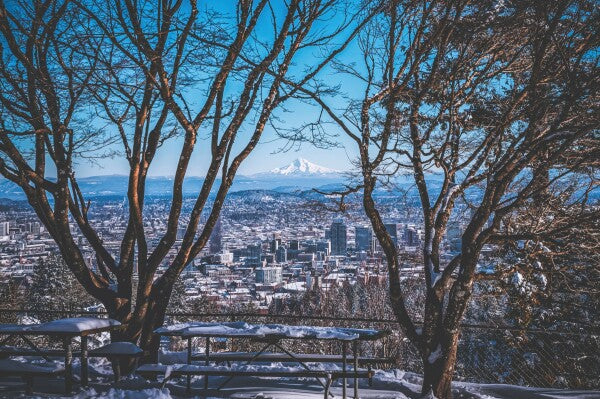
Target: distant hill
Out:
[116,185]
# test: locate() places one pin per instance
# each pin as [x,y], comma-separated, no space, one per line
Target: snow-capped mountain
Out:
[301,166]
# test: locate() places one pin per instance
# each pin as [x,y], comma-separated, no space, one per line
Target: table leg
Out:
[344,367]
[301,363]
[84,361]
[68,365]
[189,361]
[267,346]
[355,353]
[206,360]
[116,361]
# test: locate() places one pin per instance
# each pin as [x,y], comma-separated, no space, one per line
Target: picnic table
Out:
[272,336]
[65,330]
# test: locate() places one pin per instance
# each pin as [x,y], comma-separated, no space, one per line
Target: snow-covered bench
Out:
[222,357]
[27,371]
[114,351]
[180,370]
[118,348]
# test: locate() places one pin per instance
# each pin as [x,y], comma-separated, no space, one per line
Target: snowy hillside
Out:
[301,166]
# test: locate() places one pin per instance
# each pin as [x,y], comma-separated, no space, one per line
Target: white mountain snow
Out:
[301,166]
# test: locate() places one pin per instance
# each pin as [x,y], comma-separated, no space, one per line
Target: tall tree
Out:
[82,79]
[498,101]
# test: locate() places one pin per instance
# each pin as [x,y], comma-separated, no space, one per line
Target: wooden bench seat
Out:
[27,371]
[219,357]
[8,351]
[180,370]
[115,349]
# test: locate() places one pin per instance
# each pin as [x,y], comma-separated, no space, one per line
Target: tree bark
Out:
[438,370]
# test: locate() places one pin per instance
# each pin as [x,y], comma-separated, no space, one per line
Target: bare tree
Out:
[498,101]
[78,77]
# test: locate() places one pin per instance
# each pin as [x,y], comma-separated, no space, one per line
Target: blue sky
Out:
[268,154]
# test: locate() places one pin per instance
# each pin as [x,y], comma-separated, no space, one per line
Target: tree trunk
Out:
[439,368]
[155,318]
[140,330]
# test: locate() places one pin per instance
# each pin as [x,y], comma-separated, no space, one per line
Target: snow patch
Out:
[77,324]
[302,166]
[241,329]
[435,355]
[114,393]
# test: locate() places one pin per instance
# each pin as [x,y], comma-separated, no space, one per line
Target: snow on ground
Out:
[387,384]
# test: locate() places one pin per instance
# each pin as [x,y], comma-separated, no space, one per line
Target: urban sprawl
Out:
[263,248]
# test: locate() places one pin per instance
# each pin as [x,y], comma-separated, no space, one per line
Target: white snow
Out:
[301,166]
[240,329]
[223,331]
[435,355]
[113,393]
[77,324]
[387,384]
[12,366]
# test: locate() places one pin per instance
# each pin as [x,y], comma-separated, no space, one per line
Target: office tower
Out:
[34,227]
[4,228]
[254,251]
[268,275]
[275,244]
[392,229]
[281,255]
[253,255]
[454,236]
[216,237]
[363,238]
[338,237]
[324,246]
[411,237]
[295,245]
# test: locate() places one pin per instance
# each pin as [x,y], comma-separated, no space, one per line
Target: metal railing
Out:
[486,354]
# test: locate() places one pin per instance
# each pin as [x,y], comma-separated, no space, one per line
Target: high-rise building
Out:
[275,244]
[392,229]
[338,237]
[254,254]
[411,237]
[363,238]
[454,236]
[215,243]
[34,227]
[324,246]
[4,228]
[281,255]
[268,275]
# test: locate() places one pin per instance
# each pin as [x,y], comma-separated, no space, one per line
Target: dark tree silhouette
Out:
[496,100]
[88,79]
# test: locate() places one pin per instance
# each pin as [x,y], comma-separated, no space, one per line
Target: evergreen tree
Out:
[54,287]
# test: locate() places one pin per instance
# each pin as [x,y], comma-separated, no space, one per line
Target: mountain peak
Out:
[301,166]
